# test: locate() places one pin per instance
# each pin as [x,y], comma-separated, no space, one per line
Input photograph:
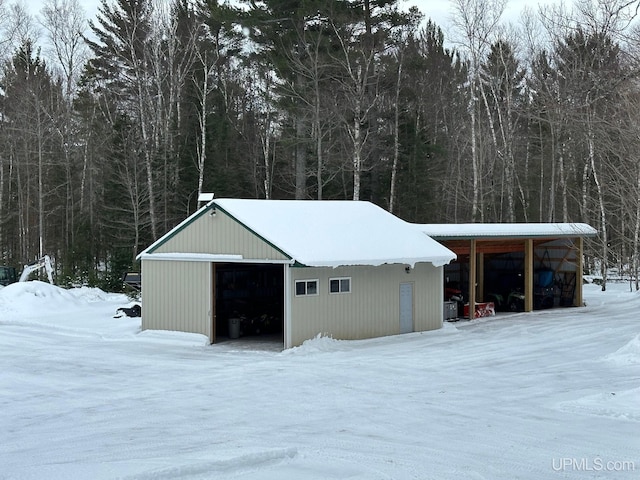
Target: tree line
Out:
[110,128]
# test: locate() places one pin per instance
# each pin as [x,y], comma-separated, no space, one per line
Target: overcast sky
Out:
[34,6]
[438,10]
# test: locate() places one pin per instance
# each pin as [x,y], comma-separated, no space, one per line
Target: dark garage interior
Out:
[249,300]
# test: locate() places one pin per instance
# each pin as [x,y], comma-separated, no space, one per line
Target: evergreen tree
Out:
[123,66]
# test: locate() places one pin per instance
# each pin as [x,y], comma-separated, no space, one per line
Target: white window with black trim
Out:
[340,285]
[306,287]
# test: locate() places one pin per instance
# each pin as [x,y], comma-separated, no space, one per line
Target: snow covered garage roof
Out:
[327,233]
[331,233]
[462,231]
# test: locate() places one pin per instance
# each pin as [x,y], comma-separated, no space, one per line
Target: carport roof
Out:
[331,233]
[461,231]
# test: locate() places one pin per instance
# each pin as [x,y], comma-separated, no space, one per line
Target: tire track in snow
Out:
[230,466]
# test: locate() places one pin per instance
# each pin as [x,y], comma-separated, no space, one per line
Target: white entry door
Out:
[406,307]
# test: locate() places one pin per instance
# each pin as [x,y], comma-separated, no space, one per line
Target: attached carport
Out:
[518,255]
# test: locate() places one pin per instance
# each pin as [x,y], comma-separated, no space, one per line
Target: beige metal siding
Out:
[429,297]
[219,234]
[177,296]
[372,309]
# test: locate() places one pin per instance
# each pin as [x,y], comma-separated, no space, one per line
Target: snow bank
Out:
[34,294]
[91,294]
[629,354]
[320,343]
[621,405]
[76,312]
[174,338]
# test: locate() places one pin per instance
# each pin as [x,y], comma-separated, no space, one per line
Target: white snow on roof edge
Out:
[437,262]
[208,257]
[469,230]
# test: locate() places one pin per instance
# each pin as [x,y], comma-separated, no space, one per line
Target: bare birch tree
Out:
[476,21]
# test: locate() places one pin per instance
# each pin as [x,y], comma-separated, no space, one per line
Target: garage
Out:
[292,270]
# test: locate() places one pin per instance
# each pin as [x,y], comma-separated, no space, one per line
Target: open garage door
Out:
[249,301]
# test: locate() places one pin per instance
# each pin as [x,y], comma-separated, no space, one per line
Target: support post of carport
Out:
[472,280]
[480,277]
[528,275]
[577,297]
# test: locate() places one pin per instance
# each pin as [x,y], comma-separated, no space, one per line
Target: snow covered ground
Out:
[542,395]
